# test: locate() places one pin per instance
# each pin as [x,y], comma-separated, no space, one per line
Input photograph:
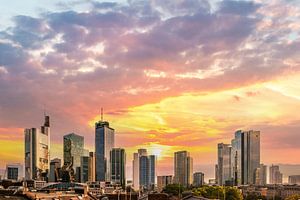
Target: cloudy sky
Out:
[170,75]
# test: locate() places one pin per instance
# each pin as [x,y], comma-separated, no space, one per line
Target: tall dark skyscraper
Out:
[37,151]
[118,163]
[104,143]
[245,157]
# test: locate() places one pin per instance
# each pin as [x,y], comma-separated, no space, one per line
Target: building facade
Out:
[37,148]
[118,166]
[14,171]
[183,168]
[73,150]
[104,142]
[224,164]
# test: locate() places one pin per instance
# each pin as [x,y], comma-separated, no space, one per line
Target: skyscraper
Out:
[183,168]
[104,142]
[198,179]
[73,150]
[144,170]
[37,148]
[118,163]
[92,167]
[275,175]
[224,164]
[245,157]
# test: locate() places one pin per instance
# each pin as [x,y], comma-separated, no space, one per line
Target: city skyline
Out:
[170,76]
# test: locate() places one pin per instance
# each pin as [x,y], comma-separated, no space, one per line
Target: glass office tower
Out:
[118,163]
[104,143]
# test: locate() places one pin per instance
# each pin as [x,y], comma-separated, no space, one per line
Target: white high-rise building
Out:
[37,148]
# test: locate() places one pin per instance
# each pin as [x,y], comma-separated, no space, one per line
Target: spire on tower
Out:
[101,114]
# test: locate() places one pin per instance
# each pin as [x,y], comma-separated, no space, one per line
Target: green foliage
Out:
[173,189]
[218,192]
[293,197]
[255,197]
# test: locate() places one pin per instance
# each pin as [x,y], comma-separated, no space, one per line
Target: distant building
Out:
[261,175]
[163,181]
[104,142]
[183,168]
[14,171]
[118,166]
[198,179]
[73,150]
[294,179]
[224,164]
[55,166]
[92,167]
[245,158]
[37,148]
[275,175]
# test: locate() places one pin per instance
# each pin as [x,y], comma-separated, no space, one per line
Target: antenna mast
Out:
[101,114]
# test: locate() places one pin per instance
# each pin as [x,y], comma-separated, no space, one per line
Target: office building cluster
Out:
[239,162]
[105,164]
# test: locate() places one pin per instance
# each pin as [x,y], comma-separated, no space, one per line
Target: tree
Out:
[254,196]
[218,192]
[293,197]
[173,189]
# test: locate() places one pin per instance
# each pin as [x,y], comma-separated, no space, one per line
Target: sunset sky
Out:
[170,74]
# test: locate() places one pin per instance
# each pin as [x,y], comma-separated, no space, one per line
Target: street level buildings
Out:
[37,148]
